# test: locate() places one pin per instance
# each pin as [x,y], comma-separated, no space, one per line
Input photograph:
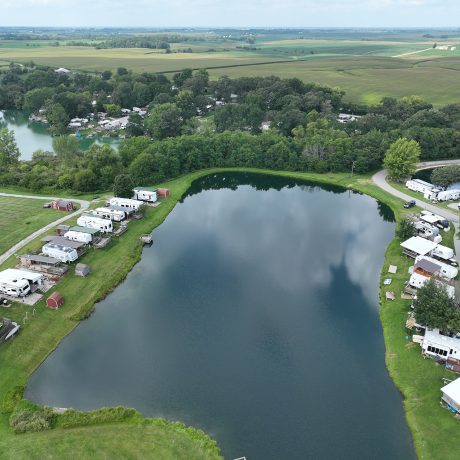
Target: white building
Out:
[62,71]
[442,252]
[434,219]
[418,185]
[59,252]
[88,220]
[145,194]
[446,195]
[126,203]
[418,280]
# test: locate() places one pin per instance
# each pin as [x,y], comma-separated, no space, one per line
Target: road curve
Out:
[84,205]
[380,179]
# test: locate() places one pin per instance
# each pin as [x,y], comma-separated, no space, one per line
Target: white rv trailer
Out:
[418,185]
[78,236]
[126,203]
[426,230]
[442,252]
[437,345]
[447,195]
[434,219]
[446,271]
[107,213]
[417,281]
[88,220]
[18,283]
[62,253]
[145,194]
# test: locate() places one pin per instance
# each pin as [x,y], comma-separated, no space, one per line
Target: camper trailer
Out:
[427,231]
[447,195]
[443,253]
[445,271]
[19,283]
[417,281]
[145,194]
[88,220]
[126,203]
[418,185]
[78,236]
[62,253]
[107,213]
[435,220]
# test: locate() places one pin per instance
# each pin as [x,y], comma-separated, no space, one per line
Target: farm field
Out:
[24,217]
[364,68]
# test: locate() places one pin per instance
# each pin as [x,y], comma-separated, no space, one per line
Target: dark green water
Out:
[254,316]
[31,136]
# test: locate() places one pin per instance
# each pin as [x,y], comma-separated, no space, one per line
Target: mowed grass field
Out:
[365,69]
[21,217]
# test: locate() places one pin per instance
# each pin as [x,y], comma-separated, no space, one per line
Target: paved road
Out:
[379,179]
[84,205]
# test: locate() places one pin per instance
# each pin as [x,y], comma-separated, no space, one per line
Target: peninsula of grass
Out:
[125,433]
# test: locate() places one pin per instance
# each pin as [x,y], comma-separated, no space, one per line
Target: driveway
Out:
[84,205]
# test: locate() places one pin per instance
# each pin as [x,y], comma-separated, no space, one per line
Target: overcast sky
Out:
[227,13]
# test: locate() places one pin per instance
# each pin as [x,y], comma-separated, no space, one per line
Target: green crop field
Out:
[24,217]
[367,68]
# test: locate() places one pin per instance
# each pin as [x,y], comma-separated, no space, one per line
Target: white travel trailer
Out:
[442,252]
[447,195]
[107,213]
[19,283]
[145,194]
[435,220]
[445,271]
[61,253]
[126,203]
[78,236]
[88,220]
[437,345]
[426,230]
[417,281]
[418,185]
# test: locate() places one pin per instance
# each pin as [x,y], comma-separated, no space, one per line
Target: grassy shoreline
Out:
[434,429]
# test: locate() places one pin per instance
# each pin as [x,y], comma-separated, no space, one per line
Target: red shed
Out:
[163,192]
[55,300]
[62,205]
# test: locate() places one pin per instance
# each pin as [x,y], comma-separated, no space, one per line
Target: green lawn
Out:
[436,432]
[21,217]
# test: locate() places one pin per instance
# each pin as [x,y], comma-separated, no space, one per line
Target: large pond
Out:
[32,136]
[255,317]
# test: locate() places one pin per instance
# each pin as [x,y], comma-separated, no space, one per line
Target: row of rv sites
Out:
[432,260]
[432,192]
[38,273]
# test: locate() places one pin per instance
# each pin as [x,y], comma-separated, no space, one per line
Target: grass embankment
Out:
[435,430]
[21,217]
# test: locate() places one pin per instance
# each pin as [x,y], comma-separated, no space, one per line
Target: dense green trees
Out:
[406,229]
[401,158]
[123,186]
[446,175]
[9,152]
[435,309]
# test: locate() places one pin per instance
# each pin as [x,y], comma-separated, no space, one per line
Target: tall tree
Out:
[123,186]
[401,158]
[9,152]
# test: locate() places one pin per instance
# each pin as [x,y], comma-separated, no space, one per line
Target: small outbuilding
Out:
[163,192]
[61,229]
[55,300]
[62,205]
[82,270]
[451,395]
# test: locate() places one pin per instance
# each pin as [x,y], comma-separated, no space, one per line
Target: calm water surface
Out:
[254,316]
[32,136]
